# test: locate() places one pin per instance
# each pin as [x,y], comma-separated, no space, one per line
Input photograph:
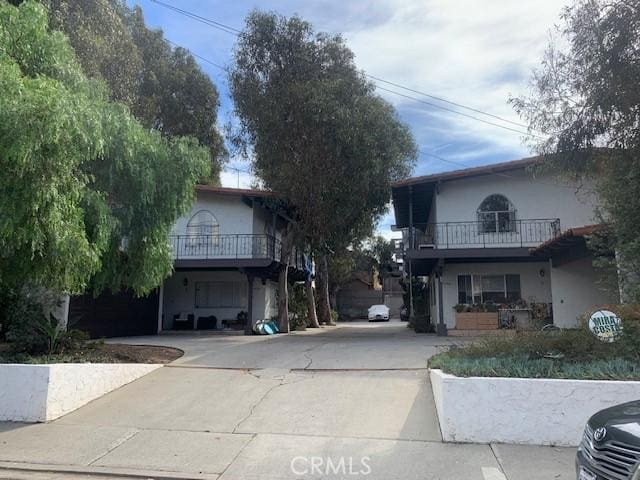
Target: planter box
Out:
[522,410]
[476,320]
[39,393]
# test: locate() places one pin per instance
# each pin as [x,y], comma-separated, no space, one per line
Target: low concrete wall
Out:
[39,393]
[522,410]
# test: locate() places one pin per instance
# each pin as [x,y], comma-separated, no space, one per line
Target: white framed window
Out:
[474,289]
[496,214]
[221,295]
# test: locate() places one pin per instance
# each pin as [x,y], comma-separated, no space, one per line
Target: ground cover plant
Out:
[572,353]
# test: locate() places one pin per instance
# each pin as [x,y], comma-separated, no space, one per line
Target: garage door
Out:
[114,314]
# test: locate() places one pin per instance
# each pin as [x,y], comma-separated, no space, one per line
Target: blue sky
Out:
[472,52]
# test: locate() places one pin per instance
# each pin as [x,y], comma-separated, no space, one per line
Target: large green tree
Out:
[317,133]
[585,101]
[87,191]
[163,86]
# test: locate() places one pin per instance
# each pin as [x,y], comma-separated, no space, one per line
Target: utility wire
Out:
[206,60]
[236,32]
[194,16]
[428,154]
[444,100]
[455,111]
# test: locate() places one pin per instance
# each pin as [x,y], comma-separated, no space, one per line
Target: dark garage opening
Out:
[114,314]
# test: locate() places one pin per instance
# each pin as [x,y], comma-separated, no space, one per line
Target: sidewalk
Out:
[323,406]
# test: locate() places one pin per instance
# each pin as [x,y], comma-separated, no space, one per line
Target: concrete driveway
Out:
[340,402]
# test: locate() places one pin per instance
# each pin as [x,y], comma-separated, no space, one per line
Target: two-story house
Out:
[227,253]
[500,240]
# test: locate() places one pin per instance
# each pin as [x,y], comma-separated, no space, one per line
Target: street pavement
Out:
[352,401]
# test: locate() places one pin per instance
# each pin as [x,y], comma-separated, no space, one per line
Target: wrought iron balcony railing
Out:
[481,234]
[230,246]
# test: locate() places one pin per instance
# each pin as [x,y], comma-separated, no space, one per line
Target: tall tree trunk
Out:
[333,298]
[286,245]
[311,304]
[322,283]
[283,299]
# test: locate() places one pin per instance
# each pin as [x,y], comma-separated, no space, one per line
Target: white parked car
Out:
[378,312]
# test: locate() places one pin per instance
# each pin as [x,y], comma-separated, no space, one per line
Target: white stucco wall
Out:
[576,291]
[533,286]
[539,198]
[39,393]
[23,392]
[522,410]
[233,215]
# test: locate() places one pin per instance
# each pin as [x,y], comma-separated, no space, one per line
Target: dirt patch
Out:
[141,353]
[97,352]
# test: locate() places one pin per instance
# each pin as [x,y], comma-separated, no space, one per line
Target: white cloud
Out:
[474,52]
[232,179]
[471,52]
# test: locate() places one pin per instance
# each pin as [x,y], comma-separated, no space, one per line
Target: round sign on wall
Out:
[605,325]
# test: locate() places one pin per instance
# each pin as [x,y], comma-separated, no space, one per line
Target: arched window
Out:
[496,214]
[203,232]
[203,222]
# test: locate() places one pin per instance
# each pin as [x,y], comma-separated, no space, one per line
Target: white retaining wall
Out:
[522,410]
[39,393]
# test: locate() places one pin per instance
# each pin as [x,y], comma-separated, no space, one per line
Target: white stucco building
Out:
[227,253]
[502,239]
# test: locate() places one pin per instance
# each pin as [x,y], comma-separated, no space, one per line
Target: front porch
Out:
[217,300]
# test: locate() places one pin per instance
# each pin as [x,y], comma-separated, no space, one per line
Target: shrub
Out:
[334,316]
[574,353]
[28,322]
[298,313]
[7,302]
[33,330]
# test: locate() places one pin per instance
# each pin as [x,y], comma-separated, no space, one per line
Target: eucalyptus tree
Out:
[89,194]
[317,133]
[164,87]
[585,108]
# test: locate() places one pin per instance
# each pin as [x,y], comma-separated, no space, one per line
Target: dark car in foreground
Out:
[610,447]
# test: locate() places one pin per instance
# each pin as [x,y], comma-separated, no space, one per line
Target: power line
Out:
[431,104]
[440,99]
[194,16]
[442,159]
[236,32]
[204,59]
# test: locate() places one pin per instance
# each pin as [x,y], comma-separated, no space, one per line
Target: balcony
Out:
[231,250]
[482,234]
